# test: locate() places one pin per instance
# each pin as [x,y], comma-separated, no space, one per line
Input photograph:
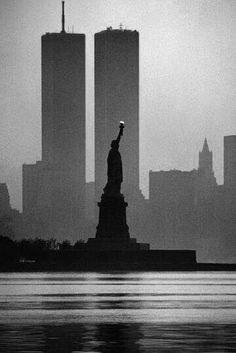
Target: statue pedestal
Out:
[112,230]
[112,217]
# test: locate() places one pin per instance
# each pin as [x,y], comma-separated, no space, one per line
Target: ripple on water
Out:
[118,312]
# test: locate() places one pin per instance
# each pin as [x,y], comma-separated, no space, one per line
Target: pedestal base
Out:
[112,218]
[112,230]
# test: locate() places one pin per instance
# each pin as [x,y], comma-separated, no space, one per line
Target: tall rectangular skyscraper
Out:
[117,98]
[63,101]
[57,183]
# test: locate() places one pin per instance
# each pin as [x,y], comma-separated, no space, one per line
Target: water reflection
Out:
[135,312]
[132,338]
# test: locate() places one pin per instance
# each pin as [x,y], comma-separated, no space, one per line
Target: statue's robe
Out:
[114,171]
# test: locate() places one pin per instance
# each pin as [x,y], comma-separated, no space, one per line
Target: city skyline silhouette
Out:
[118,139]
[186,81]
[182,207]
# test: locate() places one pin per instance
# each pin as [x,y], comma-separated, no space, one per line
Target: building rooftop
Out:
[205,146]
[117,30]
[231,137]
[173,172]
[62,34]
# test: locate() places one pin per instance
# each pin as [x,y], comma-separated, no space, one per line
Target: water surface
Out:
[118,312]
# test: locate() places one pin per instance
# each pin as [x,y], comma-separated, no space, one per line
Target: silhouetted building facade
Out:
[11,224]
[63,102]
[229,208]
[183,203]
[117,99]
[205,187]
[230,162]
[172,195]
[205,163]
[54,189]
[189,210]
[206,195]
[4,198]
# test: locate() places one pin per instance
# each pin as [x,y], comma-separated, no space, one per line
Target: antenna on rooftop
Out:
[63,17]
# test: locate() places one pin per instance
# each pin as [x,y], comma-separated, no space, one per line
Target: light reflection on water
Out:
[118,312]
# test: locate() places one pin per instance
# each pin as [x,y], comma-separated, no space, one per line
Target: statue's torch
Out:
[121,126]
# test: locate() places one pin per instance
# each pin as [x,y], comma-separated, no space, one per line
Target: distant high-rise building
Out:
[117,99]
[4,199]
[205,181]
[63,101]
[56,186]
[206,193]
[230,162]
[205,159]
[10,219]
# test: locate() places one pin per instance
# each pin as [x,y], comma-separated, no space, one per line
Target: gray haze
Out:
[187,78]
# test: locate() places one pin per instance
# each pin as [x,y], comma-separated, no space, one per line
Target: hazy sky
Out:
[187,78]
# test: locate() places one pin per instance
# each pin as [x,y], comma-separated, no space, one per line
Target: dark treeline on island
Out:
[30,250]
[14,252]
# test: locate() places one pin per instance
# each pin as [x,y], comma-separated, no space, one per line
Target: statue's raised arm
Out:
[114,165]
[121,127]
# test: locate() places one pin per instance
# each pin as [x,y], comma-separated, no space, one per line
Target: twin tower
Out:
[54,188]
